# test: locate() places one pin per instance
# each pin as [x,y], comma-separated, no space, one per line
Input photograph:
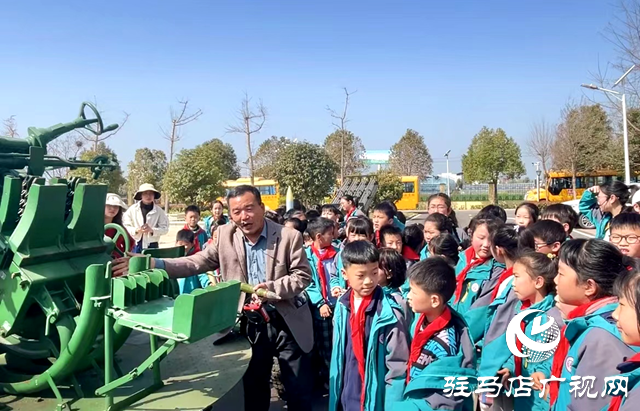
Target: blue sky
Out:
[444,68]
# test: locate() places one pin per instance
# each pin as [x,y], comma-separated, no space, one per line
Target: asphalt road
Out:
[465,216]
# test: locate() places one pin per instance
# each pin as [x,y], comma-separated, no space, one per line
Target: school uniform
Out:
[588,206]
[445,351]
[591,345]
[319,291]
[496,349]
[337,280]
[424,253]
[200,236]
[188,284]
[410,256]
[475,281]
[396,294]
[376,381]
[630,369]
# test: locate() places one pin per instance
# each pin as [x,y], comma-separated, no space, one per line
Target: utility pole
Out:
[537,164]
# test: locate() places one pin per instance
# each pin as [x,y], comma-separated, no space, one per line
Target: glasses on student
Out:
[630,239]
[538,246]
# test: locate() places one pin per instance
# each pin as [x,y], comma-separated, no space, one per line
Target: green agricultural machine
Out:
[61,312]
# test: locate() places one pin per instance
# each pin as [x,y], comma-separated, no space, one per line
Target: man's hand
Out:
[120,266]
[325,311]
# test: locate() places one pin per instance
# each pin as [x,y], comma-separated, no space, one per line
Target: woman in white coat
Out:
[145,220]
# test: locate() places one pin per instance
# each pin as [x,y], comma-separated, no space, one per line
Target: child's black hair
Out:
[386,208]
[389,230]
[320,226]
[401,217]
[359,253]
[441,221]
[434,276]
[185,235]
[506,237]
[540,265]
[564,213]
[446,245]
[360,226]
[627,285]
[549,231]
[351,199]
[494,211]
[331,208]
[393,262]
[298,224]
[412,237]
[281,210]
[629,221]
[311,214]
[193,208]
[596,260]
[273,216]
[533,210]
[618,189]
[492,223]
[293,213]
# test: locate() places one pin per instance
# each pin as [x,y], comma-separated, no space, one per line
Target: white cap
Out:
[115,200]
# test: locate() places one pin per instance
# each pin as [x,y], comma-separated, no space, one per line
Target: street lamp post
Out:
[537,164]
[625,135]
[448,179]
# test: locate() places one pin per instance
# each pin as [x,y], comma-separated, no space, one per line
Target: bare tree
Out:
[250,121]
[340,121]
[179,118]
[624,34]
[65,147]
[540,143]
[10,127]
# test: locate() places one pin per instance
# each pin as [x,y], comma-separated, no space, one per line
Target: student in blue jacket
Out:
[601,203]
[370,342]
[434,225]
[627,316]
[477,274]
[441,345]
[590,343]
[322,260]
[533,276]
[358,229]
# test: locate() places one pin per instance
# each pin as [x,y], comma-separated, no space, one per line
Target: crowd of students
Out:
[398,308]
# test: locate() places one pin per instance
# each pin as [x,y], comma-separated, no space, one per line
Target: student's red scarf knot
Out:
[357,323]
[503,277]
[328,254]
[616,402]
[563,348]
[469,253]
[420,338]
[378,244]
[349,214]
[410,254]
[518,360]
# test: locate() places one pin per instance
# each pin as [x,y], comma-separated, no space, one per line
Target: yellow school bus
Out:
[561,185]
[268,189]
[410,193]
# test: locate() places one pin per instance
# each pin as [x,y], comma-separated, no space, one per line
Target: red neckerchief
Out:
[357,323]
[469,254]
[329,253]
[420,338]
[518,360]
[409,254]
[196,241]
[563,349]
[350,213]
[378,239]
[503,277]
[616,401]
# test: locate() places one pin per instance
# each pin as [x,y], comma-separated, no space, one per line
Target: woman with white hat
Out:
[113,211]
[145,220]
